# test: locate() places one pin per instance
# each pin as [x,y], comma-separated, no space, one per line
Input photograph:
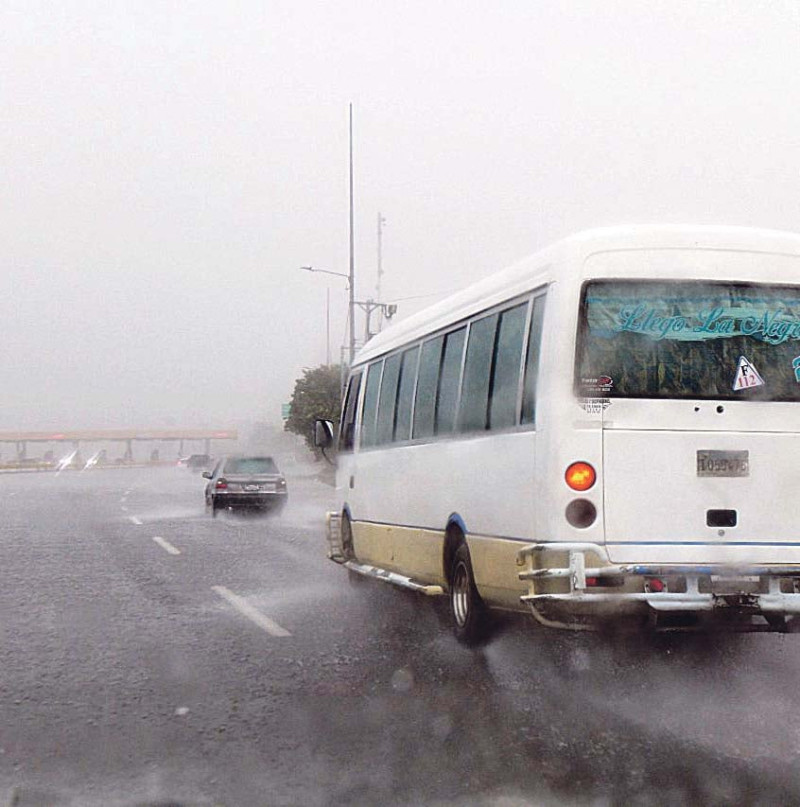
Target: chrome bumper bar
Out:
[772,602]
[392,577]
[336,553]
[333,530]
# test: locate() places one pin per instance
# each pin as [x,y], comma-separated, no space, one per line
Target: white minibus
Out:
[607,433]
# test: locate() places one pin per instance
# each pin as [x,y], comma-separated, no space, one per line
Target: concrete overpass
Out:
[127,436]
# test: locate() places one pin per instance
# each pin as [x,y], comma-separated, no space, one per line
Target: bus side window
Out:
[425,403]
[388,399]
[449,376]
[348,427]
[477,372]
[532,362]
[507,362]
[405,394]
[371,404]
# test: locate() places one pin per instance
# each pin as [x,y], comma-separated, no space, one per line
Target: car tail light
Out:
[281,483]
[580,476]
[222,484]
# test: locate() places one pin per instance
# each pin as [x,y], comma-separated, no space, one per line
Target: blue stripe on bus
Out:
[456,519]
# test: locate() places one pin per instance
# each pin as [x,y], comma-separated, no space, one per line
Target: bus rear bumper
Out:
[565,590]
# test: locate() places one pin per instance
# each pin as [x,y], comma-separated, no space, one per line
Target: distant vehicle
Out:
[239,483]
[93,460]
[197,462]
[66,461]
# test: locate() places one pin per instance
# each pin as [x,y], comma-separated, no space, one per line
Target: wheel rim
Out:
[460,596]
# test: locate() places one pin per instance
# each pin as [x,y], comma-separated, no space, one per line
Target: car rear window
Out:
[250,465]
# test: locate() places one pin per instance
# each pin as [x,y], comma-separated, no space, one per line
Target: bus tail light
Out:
[654,585]
[581,513]
[580,476]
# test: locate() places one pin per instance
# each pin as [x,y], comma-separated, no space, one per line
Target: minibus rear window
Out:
[688,339]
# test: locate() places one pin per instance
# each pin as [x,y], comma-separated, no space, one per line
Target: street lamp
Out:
[351,276]
[326,271]
[352,306]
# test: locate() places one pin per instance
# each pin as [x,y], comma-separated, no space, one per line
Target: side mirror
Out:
[323,433]
[207,474]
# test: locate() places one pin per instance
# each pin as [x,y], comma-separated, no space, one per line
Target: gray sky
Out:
[168,166]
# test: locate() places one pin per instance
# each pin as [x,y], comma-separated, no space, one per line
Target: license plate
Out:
[723,463]
[252,487]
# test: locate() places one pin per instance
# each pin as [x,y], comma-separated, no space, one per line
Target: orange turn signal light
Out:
[580,476]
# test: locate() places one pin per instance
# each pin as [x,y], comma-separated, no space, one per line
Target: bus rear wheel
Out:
[470,619]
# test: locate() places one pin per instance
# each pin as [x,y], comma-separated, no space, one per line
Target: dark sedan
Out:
[239,483]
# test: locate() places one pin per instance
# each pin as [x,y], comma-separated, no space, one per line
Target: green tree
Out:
[317,394]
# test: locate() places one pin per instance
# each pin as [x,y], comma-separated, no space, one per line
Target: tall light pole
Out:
[352,277]
[378,296]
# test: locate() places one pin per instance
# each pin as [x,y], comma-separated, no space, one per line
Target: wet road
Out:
[154,656]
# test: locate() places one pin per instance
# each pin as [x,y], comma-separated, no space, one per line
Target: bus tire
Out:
[346,534]
[470,619]
[355,579]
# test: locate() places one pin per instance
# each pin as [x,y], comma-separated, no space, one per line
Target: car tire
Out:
[469,614]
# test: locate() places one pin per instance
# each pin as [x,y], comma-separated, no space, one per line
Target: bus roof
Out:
[537,270]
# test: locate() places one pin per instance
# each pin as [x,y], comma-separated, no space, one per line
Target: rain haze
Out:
[588,440]
[167,168]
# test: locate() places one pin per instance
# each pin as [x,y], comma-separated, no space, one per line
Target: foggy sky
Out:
[168,166]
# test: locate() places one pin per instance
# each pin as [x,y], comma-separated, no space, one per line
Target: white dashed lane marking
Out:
[135,521]
[166,545]
[254,615]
